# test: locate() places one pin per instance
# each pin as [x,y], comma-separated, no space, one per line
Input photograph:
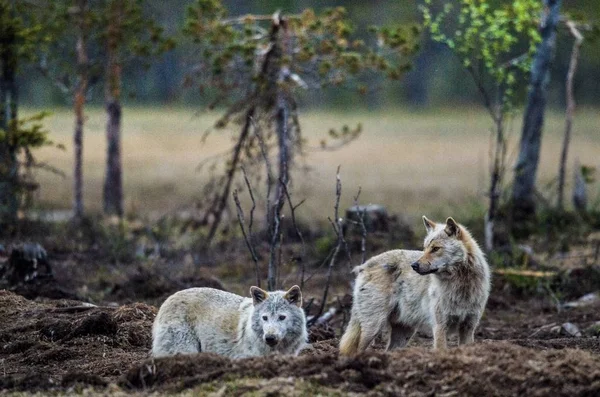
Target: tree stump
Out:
[374,216]
[25,264]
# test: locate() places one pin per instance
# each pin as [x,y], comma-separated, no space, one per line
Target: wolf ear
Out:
[429,224]
[258,295]
[452,228]
[294,296]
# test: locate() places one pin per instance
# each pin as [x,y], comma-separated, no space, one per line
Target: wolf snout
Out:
[271,340]
[415,266]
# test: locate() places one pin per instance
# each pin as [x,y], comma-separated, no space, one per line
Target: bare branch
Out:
[253,201]
[220,201]
[570,98]
[247,236]
[275,230]
[265,155]
[484,94]
[363,229]
[65,88]
[298,232]
[515,61]
[340,239]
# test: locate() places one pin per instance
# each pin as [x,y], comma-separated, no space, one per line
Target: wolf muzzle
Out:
[416,266]
[271,340]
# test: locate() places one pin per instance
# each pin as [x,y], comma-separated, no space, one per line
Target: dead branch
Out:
[63,85]
[220,201]
[327,316]
[276,218]
[77,309]
[570,98]
[247,236]
[543,327]
[253,202]
[298,232]
[337,227]
[363,229]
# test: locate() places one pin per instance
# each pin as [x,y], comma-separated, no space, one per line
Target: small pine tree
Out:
[258,64]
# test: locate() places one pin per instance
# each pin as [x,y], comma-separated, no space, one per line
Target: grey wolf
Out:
[445,287]
[209,320]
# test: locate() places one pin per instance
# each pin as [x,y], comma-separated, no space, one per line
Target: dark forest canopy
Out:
[163,81]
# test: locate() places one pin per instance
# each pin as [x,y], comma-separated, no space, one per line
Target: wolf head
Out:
[443,247]
[278,318]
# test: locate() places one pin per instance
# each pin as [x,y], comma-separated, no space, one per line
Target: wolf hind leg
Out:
[399,336]
[466,330]
[175,339]
[368,334]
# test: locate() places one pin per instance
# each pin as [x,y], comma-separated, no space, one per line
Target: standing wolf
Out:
[444,287]
[210,320]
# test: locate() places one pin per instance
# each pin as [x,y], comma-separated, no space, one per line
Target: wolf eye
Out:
[435,249]
[281,318]
[265,318]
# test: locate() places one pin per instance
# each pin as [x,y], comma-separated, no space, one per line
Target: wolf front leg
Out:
[466,330]
[440,336]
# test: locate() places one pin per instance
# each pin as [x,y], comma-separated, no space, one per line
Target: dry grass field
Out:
[421,162]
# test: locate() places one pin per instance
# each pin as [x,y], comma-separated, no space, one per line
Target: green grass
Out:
[433,162]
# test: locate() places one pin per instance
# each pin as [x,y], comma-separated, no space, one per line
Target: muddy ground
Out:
[65,346]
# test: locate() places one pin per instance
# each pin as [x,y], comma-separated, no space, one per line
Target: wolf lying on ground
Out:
[445,287]
[210,320]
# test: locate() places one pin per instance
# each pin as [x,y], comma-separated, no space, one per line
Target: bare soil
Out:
[62,345]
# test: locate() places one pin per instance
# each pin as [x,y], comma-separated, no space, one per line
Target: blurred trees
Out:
[66,63]
[130,33]
[523,203]
[162,81]
[21,32]
[93,40]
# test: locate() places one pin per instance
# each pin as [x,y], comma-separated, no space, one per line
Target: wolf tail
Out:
[350,339]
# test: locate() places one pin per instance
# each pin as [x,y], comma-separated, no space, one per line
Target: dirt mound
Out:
[62,343]
[589,344]
[492,368]
[154,286]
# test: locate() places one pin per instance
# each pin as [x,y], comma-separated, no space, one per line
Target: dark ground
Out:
[61,344]
[65,346]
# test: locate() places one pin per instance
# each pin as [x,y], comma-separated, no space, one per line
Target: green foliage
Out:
[496,38]
[19,21]
[21,137]
[137,36]
[319,49]
[137,32]
[27,133]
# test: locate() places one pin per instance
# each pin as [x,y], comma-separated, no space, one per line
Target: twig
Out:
[66,89]
[272,270]
[265,155]
[484,94]
[247,237]
[337,227]
[318,268]
[298,232]
[75,309]
[253,201]
[363,229]
[570,98]
[220,201]
[543,327]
